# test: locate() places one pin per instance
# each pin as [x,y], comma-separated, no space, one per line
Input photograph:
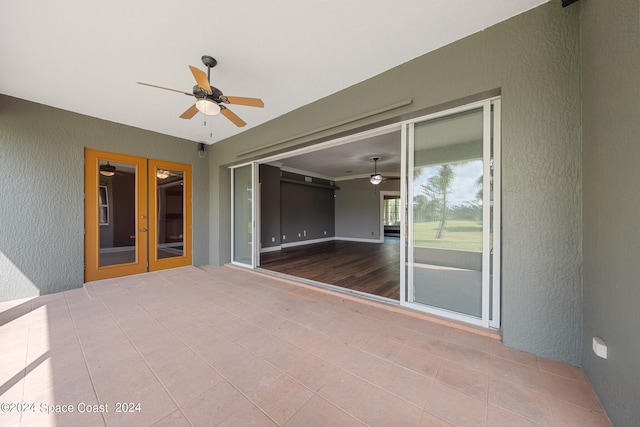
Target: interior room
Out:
[242,134]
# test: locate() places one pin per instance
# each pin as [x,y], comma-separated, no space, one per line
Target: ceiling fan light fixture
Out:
[376,178]
[107,173]
[207,107]
[162,174]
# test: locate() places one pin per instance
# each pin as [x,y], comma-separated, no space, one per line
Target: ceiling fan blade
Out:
[191,111]
[239,100]
[165,88]
[232,116]
[201,79]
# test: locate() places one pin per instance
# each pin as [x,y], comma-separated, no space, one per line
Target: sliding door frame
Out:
[491,288]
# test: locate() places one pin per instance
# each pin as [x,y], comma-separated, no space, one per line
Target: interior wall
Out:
[270,233]
[533,60]
[358,208]
[306,213]
[41,197]
[611,158]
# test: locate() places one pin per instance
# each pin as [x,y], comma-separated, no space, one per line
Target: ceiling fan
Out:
[209,99]
[375,177]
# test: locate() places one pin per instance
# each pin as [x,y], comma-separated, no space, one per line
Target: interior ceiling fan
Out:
[209,99]
[375,177]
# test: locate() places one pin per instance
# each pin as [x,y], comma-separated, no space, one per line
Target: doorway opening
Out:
[316,213]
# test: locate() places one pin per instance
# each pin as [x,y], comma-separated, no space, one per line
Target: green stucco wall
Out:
[611,163]
[42,188]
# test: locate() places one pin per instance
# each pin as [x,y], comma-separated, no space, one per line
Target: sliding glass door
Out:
[243,203]
[452,252]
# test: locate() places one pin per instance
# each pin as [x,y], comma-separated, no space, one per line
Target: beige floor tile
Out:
[419,361]
[468,356]
[385,409]
[367,367]
[346,391]
[562,369]
[469,381]
[319,412]
[214,405]
[578,393]
[282,399]
[311,371]
[248,415]
[520,400]
[383,347]
[567,415]
[407,385]
[498,417]
[430,420]
[456,407]
[221,346]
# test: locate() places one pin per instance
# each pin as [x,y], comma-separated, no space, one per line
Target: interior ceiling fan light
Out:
[376,178]
[207,107]
[107,173]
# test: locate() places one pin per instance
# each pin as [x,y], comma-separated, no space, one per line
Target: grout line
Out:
[84,355]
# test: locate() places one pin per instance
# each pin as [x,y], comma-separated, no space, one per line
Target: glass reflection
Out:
[117,213]
[170,185]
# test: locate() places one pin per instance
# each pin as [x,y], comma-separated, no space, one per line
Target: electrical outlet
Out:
[284,237]
[304,233]
[325,233]
[273,239]
[299,234]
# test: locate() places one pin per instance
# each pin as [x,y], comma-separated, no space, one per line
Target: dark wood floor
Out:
[373,268]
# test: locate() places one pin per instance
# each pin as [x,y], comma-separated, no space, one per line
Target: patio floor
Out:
[219,346]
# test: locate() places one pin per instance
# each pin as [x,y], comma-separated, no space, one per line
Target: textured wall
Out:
[533,59]
[41,192]
[611,159]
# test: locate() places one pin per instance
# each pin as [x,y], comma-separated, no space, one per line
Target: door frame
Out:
[93,271]
[177,261]
[491,283]
[146,220]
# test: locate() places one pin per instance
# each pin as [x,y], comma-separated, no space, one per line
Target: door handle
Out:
[143,230]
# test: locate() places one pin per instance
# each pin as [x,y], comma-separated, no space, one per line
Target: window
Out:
[103,205]
[391,210]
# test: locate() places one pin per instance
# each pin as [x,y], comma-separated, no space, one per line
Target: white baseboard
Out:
[307,242]
[271,249]
[357,239]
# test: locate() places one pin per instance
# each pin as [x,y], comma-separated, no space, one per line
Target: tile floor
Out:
[218,346]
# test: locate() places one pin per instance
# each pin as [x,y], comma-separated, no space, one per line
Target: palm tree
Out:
[438,188]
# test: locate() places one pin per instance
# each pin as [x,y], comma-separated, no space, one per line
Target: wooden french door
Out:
[137,215]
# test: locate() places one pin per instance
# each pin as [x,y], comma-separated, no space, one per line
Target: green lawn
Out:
[459,235]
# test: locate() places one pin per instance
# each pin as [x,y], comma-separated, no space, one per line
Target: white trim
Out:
[382,194]
[306,173]
[256,192]
[497,215]
[403,218]
[333,143]
[487,319]
[306,242]
[358,239]
[270,249]
[486,211]
[444,313]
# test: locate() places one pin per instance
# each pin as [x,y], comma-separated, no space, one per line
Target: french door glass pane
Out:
[242,214]
[171,220]
[117,213]
[447,237]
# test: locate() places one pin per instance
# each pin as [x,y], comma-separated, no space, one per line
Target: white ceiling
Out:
[85,56]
